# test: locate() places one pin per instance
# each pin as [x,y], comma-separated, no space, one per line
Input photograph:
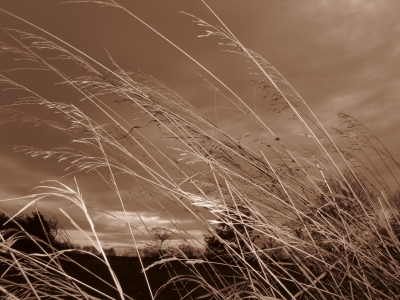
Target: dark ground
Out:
[128,272]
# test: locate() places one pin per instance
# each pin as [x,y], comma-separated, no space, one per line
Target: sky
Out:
[342,56]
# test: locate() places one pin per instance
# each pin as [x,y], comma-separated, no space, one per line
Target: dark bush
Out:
[35,233]
[229,230]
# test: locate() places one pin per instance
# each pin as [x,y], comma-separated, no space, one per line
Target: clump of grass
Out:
[303,223]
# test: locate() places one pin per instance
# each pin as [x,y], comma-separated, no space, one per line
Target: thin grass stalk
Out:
[287,193]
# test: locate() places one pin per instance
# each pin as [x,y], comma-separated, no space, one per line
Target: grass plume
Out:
[313,222]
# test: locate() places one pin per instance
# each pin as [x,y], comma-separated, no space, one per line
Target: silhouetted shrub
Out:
[34,233]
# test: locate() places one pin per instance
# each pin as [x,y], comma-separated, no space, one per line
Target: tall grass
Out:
[308,222]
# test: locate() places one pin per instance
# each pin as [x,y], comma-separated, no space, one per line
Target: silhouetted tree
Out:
[91,249]
[189,251]
[230,229]
[31,233]
[160,236]
[110,252]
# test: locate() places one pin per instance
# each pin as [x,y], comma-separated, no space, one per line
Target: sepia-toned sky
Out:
[340,55]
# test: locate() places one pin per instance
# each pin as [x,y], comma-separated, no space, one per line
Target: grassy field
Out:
[290,216]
